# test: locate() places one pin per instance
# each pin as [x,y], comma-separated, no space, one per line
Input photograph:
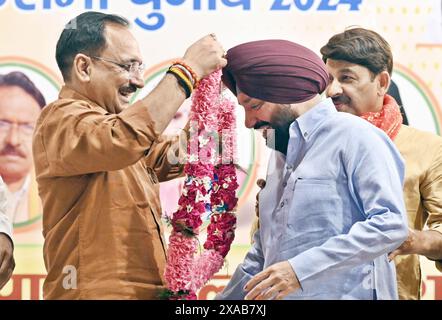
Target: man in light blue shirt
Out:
[332,208]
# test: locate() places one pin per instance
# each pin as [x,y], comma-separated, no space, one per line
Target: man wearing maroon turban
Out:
[332,208]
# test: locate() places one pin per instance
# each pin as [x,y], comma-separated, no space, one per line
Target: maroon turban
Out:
[277,71]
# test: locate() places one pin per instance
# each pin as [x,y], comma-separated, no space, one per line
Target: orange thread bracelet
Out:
[188,68]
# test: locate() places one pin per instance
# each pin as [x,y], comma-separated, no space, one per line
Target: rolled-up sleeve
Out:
[79,138]
[167,157]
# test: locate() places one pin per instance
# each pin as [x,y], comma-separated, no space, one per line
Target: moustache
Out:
[128,89]
[9,150]
[341,100]
[261,124]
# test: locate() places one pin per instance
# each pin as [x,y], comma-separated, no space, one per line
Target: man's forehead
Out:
[121,42]
[244,97]
[342,65]
[16,96]
[8,92]
[246,100]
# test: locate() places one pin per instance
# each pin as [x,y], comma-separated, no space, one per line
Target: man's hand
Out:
[7,263]
[205,56]
[427,243]
[275,282]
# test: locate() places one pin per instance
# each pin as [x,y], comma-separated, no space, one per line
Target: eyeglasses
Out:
[132,68]
[25,128]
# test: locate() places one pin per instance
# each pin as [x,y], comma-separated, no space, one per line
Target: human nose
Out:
[334,88]
[137,79]
[13,135]
[250,120]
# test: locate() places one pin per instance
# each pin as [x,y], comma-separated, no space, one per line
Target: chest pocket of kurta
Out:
[154,192]
[152,176]
[144,187]
[314,215]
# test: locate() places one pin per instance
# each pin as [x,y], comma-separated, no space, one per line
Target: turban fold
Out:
[277,71]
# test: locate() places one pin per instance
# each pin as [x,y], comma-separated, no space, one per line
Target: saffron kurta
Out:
[98,177]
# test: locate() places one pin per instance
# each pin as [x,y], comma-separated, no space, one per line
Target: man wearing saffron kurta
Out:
[331,209]
[360,64]
[98,162]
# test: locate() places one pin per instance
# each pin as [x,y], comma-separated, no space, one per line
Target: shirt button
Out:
[284,184]
[289,167]
[305,134]
[282,205]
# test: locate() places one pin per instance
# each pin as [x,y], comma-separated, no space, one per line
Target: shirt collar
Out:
[312,119]
[69,93]
[23,189]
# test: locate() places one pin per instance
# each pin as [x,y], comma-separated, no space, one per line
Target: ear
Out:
[81,68]
[384,81]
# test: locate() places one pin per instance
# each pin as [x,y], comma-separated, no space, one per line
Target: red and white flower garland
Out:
[211,184]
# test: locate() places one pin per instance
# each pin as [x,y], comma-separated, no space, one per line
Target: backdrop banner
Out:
[164,29]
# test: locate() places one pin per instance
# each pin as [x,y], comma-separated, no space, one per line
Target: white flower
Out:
[203,141]
[199,197]
[214,156]
[189,208]
[193,157]
[206,182]
[193,129]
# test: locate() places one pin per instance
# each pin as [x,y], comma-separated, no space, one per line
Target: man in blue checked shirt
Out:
[332,208]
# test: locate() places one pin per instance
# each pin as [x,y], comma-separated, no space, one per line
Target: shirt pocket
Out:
[314,215]
[152,176]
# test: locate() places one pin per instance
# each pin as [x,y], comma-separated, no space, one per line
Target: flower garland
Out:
[210,186]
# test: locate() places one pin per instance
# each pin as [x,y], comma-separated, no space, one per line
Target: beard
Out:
[278,139]
[277,136]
